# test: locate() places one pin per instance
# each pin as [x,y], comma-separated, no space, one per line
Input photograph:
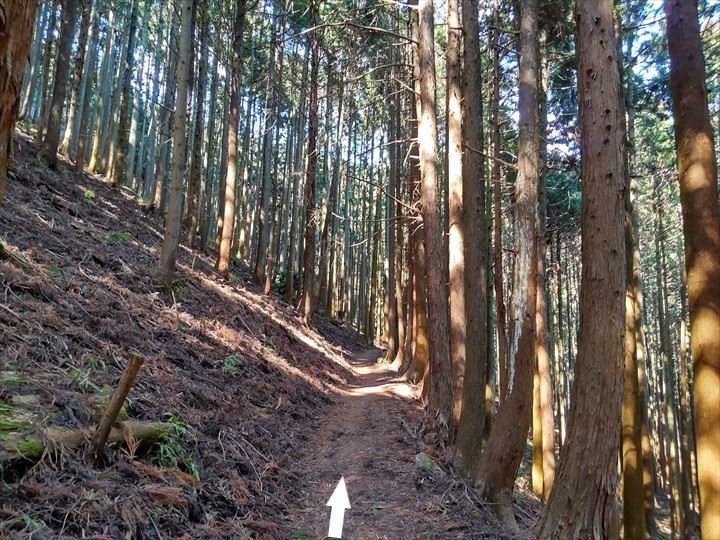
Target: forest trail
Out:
[368,438]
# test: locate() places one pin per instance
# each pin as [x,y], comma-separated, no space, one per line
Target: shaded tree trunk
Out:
[588,475]
[121,168]
[471,427]
[311,174]
[15,37]
[168,253]
[62,68]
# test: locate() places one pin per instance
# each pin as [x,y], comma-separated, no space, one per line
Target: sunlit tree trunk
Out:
[456,233]
[83,135]
[440,391]
[496,469]
[228,204]
[701,230]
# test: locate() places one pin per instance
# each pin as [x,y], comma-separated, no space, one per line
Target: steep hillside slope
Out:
[231,369]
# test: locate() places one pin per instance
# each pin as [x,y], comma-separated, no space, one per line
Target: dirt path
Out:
[368,437]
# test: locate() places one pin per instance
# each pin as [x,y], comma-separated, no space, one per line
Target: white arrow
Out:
[339,502]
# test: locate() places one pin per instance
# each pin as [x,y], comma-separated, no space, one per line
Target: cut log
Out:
[30,446]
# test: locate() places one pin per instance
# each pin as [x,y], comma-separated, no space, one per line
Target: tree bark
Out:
[496,469]
[471,426]
[15,36]
[168,252]
[196,168]
[75,107]
[311,174]
[440,403]
[228,220]
[456,232]
[121,168]
[587,475]
[62,68]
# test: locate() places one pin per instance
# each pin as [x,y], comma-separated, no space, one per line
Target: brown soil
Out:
[269,413]
[396,490]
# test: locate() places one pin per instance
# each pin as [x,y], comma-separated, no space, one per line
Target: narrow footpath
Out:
[369,438]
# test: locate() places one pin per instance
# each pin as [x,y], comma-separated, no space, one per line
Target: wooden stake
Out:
[116,402]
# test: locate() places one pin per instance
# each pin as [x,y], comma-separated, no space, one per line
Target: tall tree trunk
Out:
[440,402]
[265,206]
[587,475]
[75,93]
[195,178]
[168,253]
[15,36]
[471,427]
[311,174]
[47,54]
[701,230]
[289,292]
[121,168]
[502,343]
[632,466]
[228,220]
[329,221]
[62,68]
[496,469]
[456,232]
[104,92]
[31,77]
[83,134]
[391,318]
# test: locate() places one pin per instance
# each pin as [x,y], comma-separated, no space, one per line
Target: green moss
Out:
[29,446]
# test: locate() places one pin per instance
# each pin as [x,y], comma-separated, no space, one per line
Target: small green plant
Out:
[267,342]
[54,271]
[39,165]
[169,450]
[88,196]
[119,237]
[299,534]
[32,524]
[232,364]
[82,378]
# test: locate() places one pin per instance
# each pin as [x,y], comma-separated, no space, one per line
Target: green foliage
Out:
[267,342]
[39,165]
[170,451]
[232,364]
[54,271]
[88,196]
[81,376]
[299,534]
[119,237]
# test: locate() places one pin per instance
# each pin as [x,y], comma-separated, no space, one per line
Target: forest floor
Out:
[265,414]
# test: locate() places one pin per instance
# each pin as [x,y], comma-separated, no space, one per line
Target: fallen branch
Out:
[113,409]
